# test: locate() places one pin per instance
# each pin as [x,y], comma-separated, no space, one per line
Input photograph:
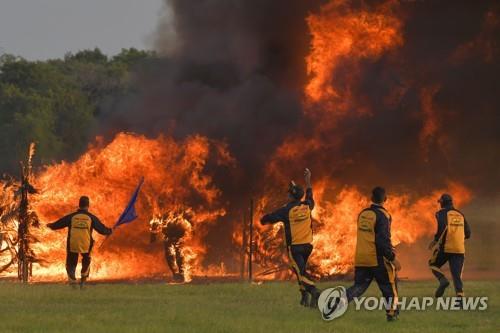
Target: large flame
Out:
[175,179]
[334,225]
[341,39]
[335,238]
[179,174]
[340,33]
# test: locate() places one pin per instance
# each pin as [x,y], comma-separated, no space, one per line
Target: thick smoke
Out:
[434,101]
[235,71]
[232,71]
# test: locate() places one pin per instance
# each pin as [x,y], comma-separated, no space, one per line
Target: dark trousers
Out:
[72,261]
[456,261]
[298,255]
[385,276]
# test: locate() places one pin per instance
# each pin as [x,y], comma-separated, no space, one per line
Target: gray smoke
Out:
[235,71]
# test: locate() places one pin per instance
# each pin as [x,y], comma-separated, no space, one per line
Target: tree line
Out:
[56,103]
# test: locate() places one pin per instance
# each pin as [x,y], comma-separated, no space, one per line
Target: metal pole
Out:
[244,246]
[250,252]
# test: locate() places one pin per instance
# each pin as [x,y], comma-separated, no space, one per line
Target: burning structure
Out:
[246,94]
[8,225]
[16,219]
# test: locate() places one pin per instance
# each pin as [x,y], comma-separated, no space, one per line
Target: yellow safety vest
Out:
[366,251]
[455,235]
[300,224]
[79,240]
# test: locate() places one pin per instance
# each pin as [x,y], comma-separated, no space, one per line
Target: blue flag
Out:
[129,214]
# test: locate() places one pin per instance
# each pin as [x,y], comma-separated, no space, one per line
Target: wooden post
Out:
[23,250]
[24,255]
[250,242]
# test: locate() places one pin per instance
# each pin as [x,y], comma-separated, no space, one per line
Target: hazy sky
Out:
[41,29]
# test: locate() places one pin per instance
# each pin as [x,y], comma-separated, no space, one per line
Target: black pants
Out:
[385,276]
[72,261]
[298,255]
[456,261]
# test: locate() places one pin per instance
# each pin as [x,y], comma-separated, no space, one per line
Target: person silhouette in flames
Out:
[174,229]
[296,217]
[80,225]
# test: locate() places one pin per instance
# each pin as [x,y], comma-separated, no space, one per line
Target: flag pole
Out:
[104,241]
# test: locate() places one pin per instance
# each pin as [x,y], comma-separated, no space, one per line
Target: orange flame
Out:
[177,178]
[174,176]
[335,234]
[338,34]
[341,38]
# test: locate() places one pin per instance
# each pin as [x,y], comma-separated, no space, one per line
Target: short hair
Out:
[84,202]
[445,199]
[378,195]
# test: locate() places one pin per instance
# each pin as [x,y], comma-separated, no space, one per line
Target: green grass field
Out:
[220,307]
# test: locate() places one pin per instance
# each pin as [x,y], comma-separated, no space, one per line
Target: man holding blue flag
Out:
[80,225]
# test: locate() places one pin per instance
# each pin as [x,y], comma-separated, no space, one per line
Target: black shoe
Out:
[82,281]
[392,318]
[304,299]
[314,298]
[443,284]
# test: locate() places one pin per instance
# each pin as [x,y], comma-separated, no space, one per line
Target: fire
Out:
[334,226]
[340,33]
[335,238]
[180,190]
[342,37]
[175,178]
[176,232]
[8,224]
[429,133]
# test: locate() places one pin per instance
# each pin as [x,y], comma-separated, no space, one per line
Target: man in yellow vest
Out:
[375,257]
[80,225]
[296,217]
[448,245]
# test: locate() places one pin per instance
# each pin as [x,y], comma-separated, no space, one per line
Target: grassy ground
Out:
[230,307]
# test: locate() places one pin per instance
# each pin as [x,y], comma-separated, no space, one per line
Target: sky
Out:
[45,29]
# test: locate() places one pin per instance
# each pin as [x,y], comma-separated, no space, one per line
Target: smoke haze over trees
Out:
[56,103]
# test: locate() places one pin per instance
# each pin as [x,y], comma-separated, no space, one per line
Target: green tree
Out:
[55,103]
